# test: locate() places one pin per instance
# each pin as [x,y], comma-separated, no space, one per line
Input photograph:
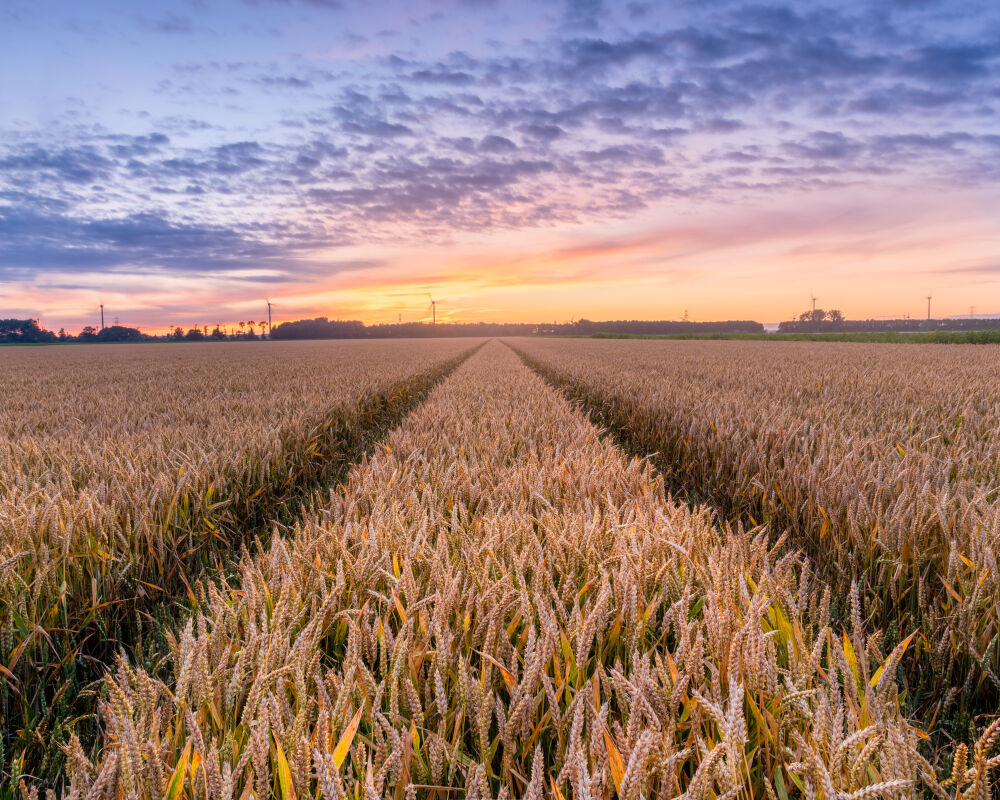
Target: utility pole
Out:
[102,316]
[928,308]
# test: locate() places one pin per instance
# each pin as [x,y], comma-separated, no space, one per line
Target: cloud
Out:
[139,241]
[950,62]
[825,146]
[169,23]
[547,133]
[76,165]
[496,144]
[583,13]
[574,113]
[284,82]
[328,5]
[901,98]
[443,76]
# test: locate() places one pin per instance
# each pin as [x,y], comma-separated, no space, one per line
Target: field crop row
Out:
[881,461]
[502,602]
[128,472]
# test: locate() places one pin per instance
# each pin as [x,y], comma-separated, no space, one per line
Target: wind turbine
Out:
[269,304]
[433,308]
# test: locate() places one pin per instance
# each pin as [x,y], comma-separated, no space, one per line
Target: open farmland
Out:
[881,461]
[128,472]
[502,602]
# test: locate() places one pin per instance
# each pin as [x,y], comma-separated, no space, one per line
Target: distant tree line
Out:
[323,328]
[25,331]
[820,321]
[28,331]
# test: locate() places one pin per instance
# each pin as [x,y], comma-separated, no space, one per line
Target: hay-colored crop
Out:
[881,461]
[501,602]
[126,472]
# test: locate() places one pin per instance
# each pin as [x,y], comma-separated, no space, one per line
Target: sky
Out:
[180,162]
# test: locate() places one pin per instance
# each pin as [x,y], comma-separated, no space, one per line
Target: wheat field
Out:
[505,599]
[127,472]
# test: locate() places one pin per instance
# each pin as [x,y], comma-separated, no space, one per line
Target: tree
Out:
[63,336]
[24,330]
[88,334]
[119,333]
[177,334]
[217,333]
[194,335]
[834,316]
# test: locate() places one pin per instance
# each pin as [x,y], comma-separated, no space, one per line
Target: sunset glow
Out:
[518,161]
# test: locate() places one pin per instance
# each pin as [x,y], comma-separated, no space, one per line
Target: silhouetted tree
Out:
[24,331]
[119,333]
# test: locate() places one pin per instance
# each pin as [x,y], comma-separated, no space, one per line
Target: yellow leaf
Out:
[671,666]
[216,714]
[508,678]
[556,791]
[615,761]
[952,592]
[284,773]
[984,576]
[399,607]
[176,784]
[585,588]
[852,660]
[513,623]
[878,673]
[344,745]
[567,649]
